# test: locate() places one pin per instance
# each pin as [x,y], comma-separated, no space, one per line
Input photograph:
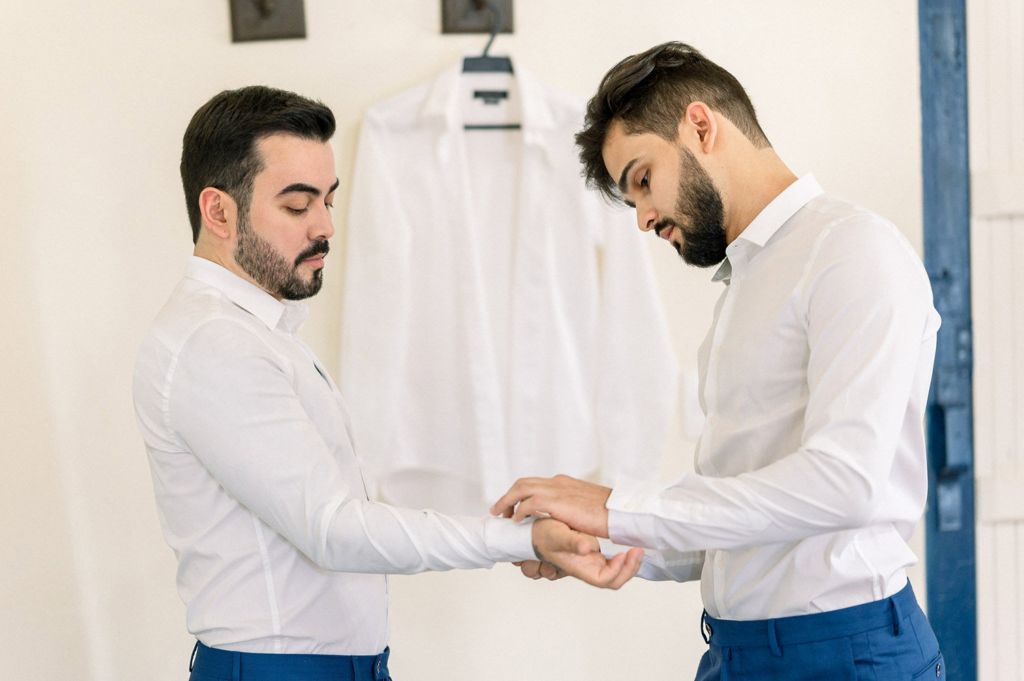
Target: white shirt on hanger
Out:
[258,487]
[811,472]
[500,320]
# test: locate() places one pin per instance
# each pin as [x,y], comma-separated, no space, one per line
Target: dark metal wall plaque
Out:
[471,16]
[267,20]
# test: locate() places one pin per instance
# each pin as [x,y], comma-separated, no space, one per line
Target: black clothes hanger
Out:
[485,63]
[488,64]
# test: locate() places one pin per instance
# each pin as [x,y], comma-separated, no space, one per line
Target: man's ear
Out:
[699,123]
[219,212]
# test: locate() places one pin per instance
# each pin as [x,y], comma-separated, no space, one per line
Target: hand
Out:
[576,554]
[578,504]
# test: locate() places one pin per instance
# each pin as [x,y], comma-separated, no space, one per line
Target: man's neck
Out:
[754,183]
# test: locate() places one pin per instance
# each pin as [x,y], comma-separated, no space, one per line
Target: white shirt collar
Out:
[771,218]
[443,100]
[247,295]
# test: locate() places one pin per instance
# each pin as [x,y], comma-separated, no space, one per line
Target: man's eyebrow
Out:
[625,172]
[303,188]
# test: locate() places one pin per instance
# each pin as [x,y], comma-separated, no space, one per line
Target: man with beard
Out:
[281,556]
[810,472]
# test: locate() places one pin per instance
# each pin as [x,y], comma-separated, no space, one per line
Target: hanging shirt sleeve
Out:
[637,371]
[376,306]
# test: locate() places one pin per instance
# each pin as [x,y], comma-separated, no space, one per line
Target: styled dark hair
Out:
[649,92]
[219,148]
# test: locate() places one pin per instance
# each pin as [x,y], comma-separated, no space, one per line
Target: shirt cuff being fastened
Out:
[508,540]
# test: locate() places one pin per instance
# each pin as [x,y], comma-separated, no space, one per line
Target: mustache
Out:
[664,224]
[318,248]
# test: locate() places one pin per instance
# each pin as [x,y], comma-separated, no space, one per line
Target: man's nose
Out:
[646,218]
[323,228]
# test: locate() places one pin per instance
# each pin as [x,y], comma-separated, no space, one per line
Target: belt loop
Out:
[897,617]
[192,660]
[236,671]
[773,641]
[380,666]
[703,624]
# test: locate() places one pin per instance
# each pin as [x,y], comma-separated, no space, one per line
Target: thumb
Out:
[586,544]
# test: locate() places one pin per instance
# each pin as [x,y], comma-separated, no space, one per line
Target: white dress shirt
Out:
[500,321]
[810,473]
[258,486]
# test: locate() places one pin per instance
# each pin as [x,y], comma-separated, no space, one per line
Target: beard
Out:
[700,217]
[271,270]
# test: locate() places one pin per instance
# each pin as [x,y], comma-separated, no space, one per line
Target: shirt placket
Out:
[705,459]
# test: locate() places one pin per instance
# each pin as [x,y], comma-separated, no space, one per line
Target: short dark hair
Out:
[219,147]
[649,92]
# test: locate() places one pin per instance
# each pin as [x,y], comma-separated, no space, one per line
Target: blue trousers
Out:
[881,641]
[213,664]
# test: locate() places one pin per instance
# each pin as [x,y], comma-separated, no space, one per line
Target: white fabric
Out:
[500,320]
[810,473]
[258,487]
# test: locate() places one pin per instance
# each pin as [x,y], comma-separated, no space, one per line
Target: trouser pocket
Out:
[936,669]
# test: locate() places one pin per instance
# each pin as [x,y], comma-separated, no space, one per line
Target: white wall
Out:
[995,80]
[94,98]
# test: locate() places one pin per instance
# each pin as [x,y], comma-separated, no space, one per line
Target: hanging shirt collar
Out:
[251,298]
[769,221]
[443,101]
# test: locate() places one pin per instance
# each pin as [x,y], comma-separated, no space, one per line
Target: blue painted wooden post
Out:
[950,515]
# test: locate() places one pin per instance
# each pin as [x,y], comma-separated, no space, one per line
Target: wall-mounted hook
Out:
[474,16]
[265,7]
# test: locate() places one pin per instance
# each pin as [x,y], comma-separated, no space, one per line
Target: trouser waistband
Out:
[774,633]
[234,666]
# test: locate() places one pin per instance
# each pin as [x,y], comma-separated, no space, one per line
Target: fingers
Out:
[526,508]
[513,496]
[530,568]
[549,572]
[631,563]
[534,569]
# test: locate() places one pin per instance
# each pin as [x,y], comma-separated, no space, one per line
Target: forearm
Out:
[378,538]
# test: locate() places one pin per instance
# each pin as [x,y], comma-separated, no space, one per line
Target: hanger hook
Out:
[498,21]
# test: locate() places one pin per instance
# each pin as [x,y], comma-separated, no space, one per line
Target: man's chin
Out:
[301,288]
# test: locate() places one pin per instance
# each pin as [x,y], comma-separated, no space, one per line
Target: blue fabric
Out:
[886,640]
[213,664]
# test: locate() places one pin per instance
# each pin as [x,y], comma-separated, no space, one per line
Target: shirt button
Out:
[718,349]
[713,421]
[737,280]
[630,506]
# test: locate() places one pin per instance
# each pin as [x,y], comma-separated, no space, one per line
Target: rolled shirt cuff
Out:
[630,513]
[508,540]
